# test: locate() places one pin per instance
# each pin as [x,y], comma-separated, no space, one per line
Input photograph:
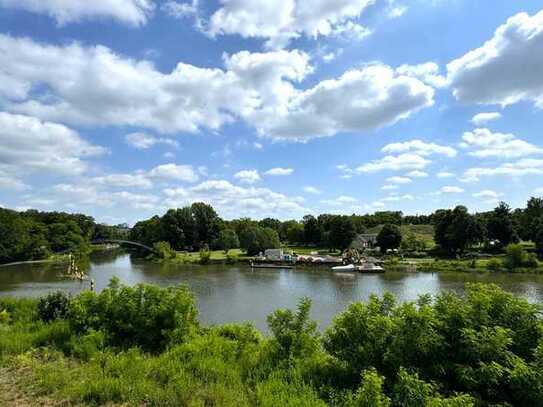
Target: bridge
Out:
[125,242]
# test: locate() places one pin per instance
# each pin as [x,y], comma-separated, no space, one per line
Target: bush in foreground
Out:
[143,346]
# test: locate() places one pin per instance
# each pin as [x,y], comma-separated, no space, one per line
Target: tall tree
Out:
[500,225]
[456,229]
[312,230]
[389,237]
[342,232]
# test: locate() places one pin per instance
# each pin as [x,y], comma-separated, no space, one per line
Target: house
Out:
[277,255]
[364,241]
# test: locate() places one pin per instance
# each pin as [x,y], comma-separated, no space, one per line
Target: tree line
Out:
[34,235]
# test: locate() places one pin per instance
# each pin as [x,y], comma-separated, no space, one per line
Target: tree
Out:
[172,228]
[500,225]
[295,233]
[412,243]
[312,230]
[342,232]
[256,239]
[538,236]
[389,237]
[228,239]
[207,222]
[530,217]
[456,229]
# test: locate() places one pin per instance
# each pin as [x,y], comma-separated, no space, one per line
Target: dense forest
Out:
[143,345]
[33,235]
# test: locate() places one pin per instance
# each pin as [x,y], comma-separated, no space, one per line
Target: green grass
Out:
[424,232]
[216,256]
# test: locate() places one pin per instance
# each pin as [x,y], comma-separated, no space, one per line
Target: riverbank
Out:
[55,258]
[145,346]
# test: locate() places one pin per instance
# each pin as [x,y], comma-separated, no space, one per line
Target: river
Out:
[237,293]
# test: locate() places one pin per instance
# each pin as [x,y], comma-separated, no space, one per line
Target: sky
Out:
[121,109]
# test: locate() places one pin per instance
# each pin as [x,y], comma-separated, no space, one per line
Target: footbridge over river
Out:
[123,242]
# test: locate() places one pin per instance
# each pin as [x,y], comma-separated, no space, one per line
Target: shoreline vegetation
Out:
[143,345]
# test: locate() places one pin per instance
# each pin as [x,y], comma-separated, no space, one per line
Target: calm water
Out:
[236,293]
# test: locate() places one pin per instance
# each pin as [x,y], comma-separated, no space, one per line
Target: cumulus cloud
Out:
[279,21]
[361,99]
[279,171]
[506,69]
[487,195]
[133,12]
[247,176]
[143,141]
[451,190]
[312,190]
[522,167]
[231,200]
[28,145]
[417,174]
[445,174]
[95,86]
[138,180]
[419,147]
[406,161]
[399,180]
[340,200]
[484,143]
[174,172]
[483,118]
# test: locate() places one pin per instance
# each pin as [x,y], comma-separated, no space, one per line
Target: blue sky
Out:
[124,108]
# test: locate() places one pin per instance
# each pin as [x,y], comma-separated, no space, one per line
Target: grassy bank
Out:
[144,346]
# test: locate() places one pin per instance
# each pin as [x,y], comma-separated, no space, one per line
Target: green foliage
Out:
[341,232]
[144,315]
[481,349]
[294,334]
[412,243]
[228,239]
[456,229]
[370,393]
[389,238]
[494,265]
[257,239]
[53,306]
[517,257]
[499,225]
[163,251]
[205,255]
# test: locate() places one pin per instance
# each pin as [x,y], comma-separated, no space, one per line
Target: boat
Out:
[362,268]
[269,266]
[348,267]
[370,268]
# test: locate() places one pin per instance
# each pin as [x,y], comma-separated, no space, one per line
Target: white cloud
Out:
[279,171]
[444,174]
[389,187]
[133,12]
[406,161]
[312,190]
[525,166]
[506,69]
[247,176]
[179,9]
[451,190]
[340,200]
[138,180]
[417,174]
[427,73]
[397,11]
[231,200]
[361,99]
[488,195]
[398,198]
[95,86]
[279,21]
[143,141]
[8,181]
[174,172]
[488,144]
[483,118]
[420,148]
[29,145]
[399,180]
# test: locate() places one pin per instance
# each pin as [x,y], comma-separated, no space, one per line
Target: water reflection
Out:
[237,293]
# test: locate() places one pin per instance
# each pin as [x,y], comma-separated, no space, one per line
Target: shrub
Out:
[494,265]
[53,306]
[144,315]
[205,256]
[163,250]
